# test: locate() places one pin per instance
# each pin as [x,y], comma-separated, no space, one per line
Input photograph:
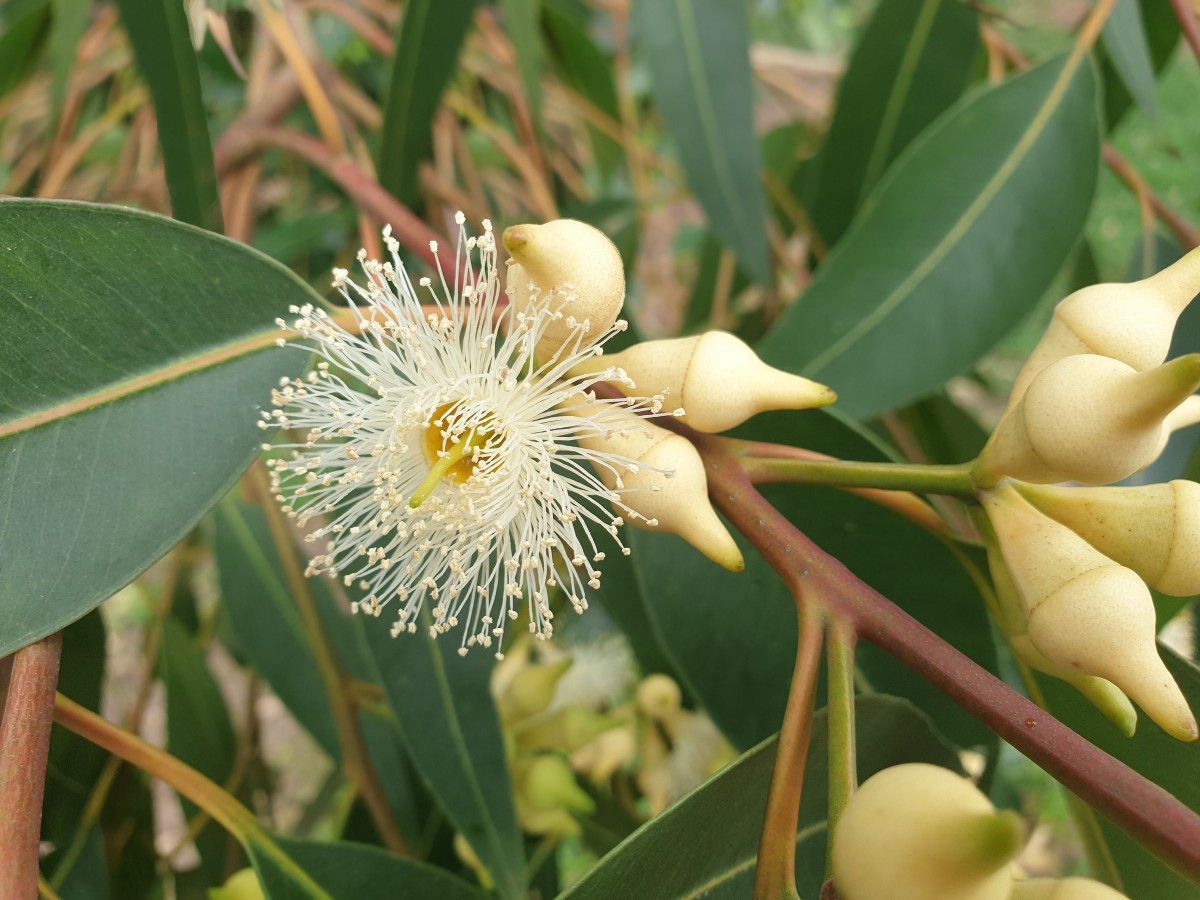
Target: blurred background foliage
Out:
[889,196]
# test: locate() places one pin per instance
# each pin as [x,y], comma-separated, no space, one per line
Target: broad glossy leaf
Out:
[444,705]
[733,636]
[1124,38]
[291,869]
[912,62]
[707,843]
[162,46]
[1169,763]
[130,378]
[522,20]
[955,246]
[426,56]
[697,52]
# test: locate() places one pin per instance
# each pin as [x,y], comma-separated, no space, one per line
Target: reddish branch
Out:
[1160,822]
[24,749]
[1188,24]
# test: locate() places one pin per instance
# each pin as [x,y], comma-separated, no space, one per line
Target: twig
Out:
[24,750]
[1184,233]
[1188,24]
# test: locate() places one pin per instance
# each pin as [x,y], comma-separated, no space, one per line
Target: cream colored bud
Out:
[1086,613]
[716,377]
[602,757]
[916,831]
[530,691]
[664,483]
[1087,418]
[1132,323]
[1184,415]
[577,267]
[1063,889]
[658,696]
[1153,529]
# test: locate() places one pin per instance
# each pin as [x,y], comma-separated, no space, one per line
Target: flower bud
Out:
[1153,529]
[567,730]
[664,484]
[1132,323]
[1063,889]
[600,758]
[530,691]
[718,380]
[1086,613]
[546,795]
[916,831]
[1087,418]
[574,267]
[1184,415]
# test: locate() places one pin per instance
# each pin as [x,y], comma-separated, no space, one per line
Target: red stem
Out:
[1188,24]
[775,874]
[24,749]
[1160,822]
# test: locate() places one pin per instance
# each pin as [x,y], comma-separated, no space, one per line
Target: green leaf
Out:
[444,705]
[589,71]
[707,843]
[1160,29]
[699,60]
[427,46]
[24,27]
[162,47]
[955,246]
[291,869]
[733,636]
[1169,763]
[1124,38]
[912,62]
[522,24]
[70,18]
[129,384]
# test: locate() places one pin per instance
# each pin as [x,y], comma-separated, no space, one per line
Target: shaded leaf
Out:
[1124,39]
[444,705]
[70,18]
[128,391]
[162,47]
[954,248]
[522,20]
[24,28]
[426,56]
[707,843]
[697,53]
[912,62]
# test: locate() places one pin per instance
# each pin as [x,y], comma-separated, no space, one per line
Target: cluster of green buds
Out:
[917,831]
[1095,404]
[717,381]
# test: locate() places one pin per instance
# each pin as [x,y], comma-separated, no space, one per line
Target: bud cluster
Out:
[1095,404]
[917,831]
[716,379]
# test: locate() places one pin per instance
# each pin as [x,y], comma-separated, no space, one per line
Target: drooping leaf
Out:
[697,53]
[707,843]
[70,18]
[732,637]
[1124,38]
[426,56]
[128,393]
[522,19]
[20,40]
[1160,29]
[912,62]
[956,245]
[443,702]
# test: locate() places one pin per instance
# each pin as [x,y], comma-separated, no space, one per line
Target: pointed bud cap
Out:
[1086,613]
[658,696]
[1087,418]
[1100,692]
[1063,889]
[1153,529]
[572,266]
[664,484]
[611,751]
[546,782]
[716,377]
[916,831]
[1131,323]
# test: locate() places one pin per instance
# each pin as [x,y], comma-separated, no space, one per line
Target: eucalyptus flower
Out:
[441,465]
